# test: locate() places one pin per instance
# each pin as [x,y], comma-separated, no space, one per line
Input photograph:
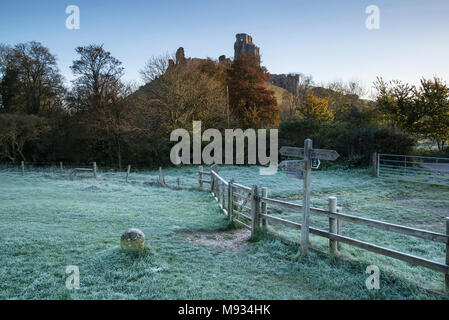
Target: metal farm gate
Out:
[429,170]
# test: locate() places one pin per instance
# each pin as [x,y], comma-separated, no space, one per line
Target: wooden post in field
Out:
[223,197]
[332,202]
[446,276]
[212,178]
[374,164]
[230,200]
[254,209]
[308,154]
[306,196]
[127,172]
[227,105]
[200,176]
[263,208]
[217,190]
[95,170]
[61,170]
[378,165]
[339,232]
[23,168]
[161,178]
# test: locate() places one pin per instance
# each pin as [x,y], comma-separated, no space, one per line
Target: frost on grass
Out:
[234,240]
[50,221]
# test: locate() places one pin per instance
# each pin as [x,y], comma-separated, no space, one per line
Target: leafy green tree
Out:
[396,100]
[432,105]
[422,111]
[314,108]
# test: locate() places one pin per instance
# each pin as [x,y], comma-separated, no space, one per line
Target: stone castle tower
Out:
[244,45]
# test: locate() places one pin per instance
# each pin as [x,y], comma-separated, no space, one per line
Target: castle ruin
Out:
[244,45]
[289,82]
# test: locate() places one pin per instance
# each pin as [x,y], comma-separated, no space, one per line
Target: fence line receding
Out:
[247,206]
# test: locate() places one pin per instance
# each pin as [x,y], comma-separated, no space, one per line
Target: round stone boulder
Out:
[132,240]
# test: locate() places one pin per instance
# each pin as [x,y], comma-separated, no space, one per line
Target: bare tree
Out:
[30,81]
[155,67]
[18,129]
[99,97]
[351,87]
[98,73]
[182,94]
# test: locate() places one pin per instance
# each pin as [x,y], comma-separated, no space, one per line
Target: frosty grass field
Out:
[49,222]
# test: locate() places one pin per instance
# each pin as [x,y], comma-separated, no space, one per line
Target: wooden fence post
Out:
[332,201]
[378,165]
[61,167]
[95,170]
[446,276]
[217,190]
[339,231]
[374,164]
[127,172]
[161,178]
[223,198]
[263,208]
[254,210]
[230,200]
[23,168]
[200,176]
[212,178]
[306,196]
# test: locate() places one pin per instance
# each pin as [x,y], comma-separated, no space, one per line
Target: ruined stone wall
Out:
[289,82]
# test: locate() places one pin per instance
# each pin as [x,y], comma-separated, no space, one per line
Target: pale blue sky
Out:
[327,39]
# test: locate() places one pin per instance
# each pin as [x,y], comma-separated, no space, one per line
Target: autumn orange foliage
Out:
[250,101]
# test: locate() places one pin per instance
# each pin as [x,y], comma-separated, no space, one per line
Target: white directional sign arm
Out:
[322,154]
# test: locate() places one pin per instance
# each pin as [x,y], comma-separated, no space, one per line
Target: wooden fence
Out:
[247,206]
[72,170]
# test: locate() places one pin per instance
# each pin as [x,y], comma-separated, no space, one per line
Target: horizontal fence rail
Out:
[248,207]
[428,170]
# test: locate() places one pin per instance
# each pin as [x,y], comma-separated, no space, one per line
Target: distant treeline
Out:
[101,118]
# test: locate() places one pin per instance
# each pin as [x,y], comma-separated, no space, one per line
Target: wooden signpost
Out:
[322,154]
[309,155]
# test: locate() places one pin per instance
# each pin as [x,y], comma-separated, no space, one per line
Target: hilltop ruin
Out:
[244,45]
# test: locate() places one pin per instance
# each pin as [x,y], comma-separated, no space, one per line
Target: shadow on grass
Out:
[333,276]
